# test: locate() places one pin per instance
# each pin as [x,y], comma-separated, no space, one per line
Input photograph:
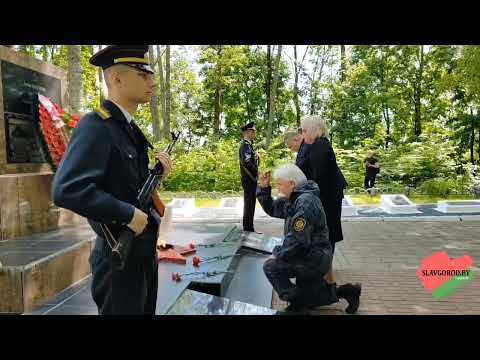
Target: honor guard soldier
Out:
[100,174]
[249,162]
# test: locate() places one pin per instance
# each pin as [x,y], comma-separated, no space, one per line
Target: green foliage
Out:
[91,93]
[372,108]
[213,167]
[240,71]
[469,66]
[442,187]
[403,164]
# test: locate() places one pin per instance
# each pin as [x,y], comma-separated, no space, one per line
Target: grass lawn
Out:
[199,202]
[357,200]
[417,199]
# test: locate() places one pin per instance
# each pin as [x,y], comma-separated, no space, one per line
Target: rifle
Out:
[123,247]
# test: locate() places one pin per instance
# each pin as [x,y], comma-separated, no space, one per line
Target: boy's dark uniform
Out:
[105,164]
[249,177]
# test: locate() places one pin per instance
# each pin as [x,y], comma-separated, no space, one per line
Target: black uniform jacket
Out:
[105,164]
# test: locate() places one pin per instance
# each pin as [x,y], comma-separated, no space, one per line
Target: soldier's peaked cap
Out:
[132,55]
[249,126]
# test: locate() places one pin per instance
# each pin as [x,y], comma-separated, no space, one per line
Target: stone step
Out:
[36,268]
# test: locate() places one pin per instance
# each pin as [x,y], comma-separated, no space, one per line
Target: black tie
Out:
[132,132]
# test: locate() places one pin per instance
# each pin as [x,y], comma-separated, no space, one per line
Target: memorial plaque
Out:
[183,207]
[398,200]
[260,243]
[348,209]
[178,204]
[197,303]
[397,204]
[459,206]
[230,203]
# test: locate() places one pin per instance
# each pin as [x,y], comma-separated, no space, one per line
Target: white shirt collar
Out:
[125,112]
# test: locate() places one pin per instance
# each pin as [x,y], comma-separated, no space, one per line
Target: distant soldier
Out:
[249,161]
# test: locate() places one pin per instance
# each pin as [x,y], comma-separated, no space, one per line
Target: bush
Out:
[441,187]
[213,167]
[427,165]
[403,164]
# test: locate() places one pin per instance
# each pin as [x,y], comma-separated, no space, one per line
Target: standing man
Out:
[294,141]
[249,162]
[105,164]
[372,168]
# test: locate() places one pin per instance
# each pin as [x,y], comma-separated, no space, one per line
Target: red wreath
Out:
[53,123]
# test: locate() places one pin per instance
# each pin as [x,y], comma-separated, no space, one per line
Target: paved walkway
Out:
[384,256]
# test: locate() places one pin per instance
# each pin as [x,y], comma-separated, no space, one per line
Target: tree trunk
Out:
[168,95]
[162,87]
[273,91]
[100,80]
[247,103]
[331,132]
[386,116]
[52,52]
[342,63]
[217,109]
[343,114]
[44,52]
[418,95]
[295,86]
[218,91]
[313,91]
[74,85]
[154,101]
[472,137]
[269,79]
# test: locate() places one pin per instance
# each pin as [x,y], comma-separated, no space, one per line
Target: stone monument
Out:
[25,176]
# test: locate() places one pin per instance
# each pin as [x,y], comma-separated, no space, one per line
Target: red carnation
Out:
[196,261]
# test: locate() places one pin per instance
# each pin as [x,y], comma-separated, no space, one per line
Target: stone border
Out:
[415,218]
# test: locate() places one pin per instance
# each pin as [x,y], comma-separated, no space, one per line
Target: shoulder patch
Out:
[104,113]
[299,224]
